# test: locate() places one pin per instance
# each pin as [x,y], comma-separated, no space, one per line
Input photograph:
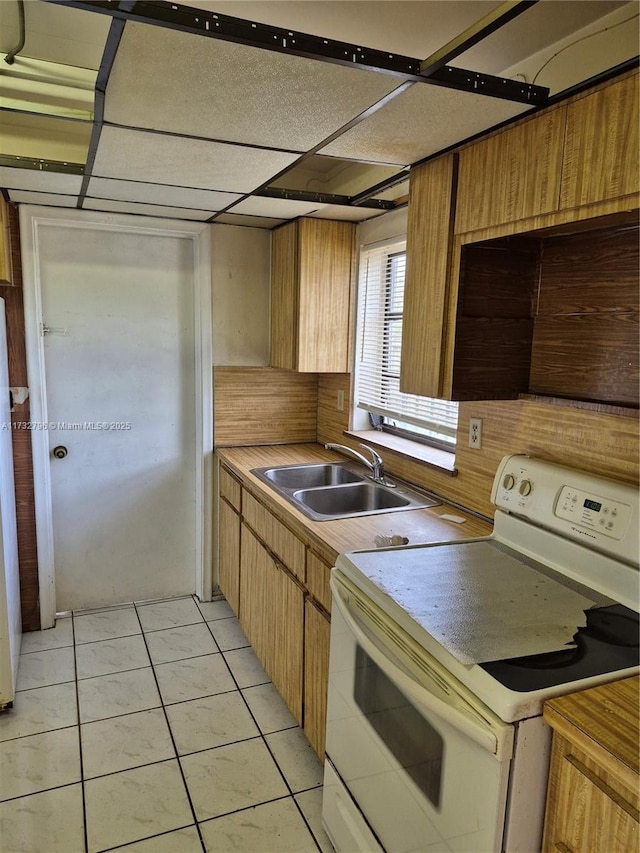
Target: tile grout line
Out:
[175,748]
[273,758]
[84,802]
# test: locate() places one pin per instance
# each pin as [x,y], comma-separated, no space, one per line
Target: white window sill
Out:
[413,450]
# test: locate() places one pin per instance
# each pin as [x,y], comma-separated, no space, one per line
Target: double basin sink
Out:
[328,491]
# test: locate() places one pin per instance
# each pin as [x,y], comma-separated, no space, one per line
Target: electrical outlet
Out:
[475,433]
[340,401]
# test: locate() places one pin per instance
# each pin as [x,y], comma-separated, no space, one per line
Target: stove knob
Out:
[525,488]
[508,482]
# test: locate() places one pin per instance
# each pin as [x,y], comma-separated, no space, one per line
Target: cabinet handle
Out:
[604,788]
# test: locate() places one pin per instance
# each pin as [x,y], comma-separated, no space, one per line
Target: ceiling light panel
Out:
[247,221]
[43,137]
[345,212]
[179,82]
[159,194]
[278,208]
[34,179]
[110,205]
[27,197]
[423,120]
[161,159]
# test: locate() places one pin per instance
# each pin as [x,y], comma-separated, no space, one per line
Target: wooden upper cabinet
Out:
[513,175]
[601,148]
[429,233]
[311,272]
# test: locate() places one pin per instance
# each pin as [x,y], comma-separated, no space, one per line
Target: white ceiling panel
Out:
[163,79]
[55,33]
[247,221]
[27,197]
[159,194]
[110,205]
[346,213]
[33,179]
[278,208]
[421,121]
[160,159]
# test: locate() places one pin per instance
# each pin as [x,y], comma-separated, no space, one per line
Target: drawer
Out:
[318,580]
[278,538]
[230,488]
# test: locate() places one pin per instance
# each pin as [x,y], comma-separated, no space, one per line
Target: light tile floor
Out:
[152,728]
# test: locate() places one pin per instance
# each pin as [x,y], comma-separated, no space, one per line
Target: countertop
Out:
[330,538]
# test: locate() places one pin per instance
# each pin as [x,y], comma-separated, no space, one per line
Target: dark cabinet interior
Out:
[552,313]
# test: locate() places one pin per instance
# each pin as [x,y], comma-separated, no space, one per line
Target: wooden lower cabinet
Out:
[317,629]
[229,554]
[272,617]
[593,795]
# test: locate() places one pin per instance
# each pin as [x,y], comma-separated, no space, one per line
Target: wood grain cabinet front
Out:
[600,160]
[317,630]
[512,175]
[272,617]
[593,800]
[229,554]
[311,273]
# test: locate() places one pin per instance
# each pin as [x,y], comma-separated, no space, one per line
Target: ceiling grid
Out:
[211,126]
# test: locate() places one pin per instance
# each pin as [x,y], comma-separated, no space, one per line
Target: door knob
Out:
[60,452]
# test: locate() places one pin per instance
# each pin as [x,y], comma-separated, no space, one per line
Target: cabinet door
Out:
[584,814]
[284,296]
[513,175]
[324,300]
[431,193]
[601,149]
[272,617]
[229,554]
[317,629]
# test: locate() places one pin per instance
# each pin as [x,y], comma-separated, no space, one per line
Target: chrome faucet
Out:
[376,465]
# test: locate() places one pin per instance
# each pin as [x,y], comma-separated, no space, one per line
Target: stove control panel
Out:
[609,516]
[597,511]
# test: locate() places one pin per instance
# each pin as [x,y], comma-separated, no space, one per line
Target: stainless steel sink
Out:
[311,476]
[326,492]
[356,498]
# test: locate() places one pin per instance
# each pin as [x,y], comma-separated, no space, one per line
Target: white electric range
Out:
[442,657]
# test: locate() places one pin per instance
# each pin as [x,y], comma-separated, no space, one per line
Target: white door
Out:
[10,619]
[120,371]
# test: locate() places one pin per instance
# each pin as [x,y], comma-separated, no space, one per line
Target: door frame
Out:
[32,218]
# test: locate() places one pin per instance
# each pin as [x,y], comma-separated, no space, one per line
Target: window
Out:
[381,298]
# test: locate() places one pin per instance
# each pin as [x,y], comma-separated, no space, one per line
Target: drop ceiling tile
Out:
[56,200]
[44,137]
[34,179]
[159,194]
[421,121]
[174,160]
[278,208]
[345,212]
[247,221]
[200,86]
[110,205]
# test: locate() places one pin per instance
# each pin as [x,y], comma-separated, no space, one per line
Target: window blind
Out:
[381,298]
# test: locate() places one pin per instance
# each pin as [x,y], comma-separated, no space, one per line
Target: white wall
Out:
[240,288]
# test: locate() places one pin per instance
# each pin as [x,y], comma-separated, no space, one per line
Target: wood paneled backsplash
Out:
[262,405]
[599,442]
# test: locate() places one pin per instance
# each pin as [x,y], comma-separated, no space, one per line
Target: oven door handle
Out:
[420,695]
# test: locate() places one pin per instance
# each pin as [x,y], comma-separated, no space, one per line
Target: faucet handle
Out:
[377,459]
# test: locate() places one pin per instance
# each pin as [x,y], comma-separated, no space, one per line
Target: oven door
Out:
[414,760]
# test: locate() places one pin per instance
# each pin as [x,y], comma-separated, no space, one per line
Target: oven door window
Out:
[414,742]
